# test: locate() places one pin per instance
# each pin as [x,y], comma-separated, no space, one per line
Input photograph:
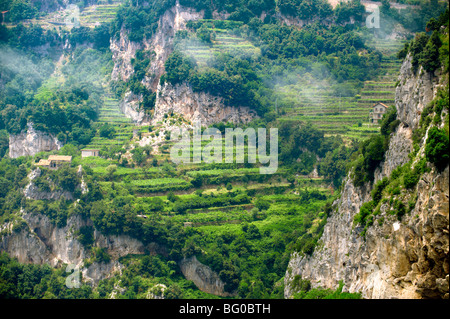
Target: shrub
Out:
[101,255]
[107,131]
[436,149]
[411,178]
[378,190]
[364,212]
[262,204]
[400,209]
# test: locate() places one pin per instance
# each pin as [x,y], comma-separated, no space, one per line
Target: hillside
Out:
[132,222]
[388,238]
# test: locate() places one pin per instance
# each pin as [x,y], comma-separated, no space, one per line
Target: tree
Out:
[262,204]
[333,166]
[110,170]
[373,153]
[430,55]
[138,155]
[205,34]
[416,48]
[107,131]
[178,68]
[22,9]
[436,149]
[68,178]
[172,197]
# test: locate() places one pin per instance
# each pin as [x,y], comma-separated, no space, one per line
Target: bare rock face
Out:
[339,246]
[31,191]
[400,145]
[180,99]
[31,142]
[42,242]
[203,277]
[161,45]
[414,92]
[130,107]
[172,21]
[197,106]
[406,258]
[123,50]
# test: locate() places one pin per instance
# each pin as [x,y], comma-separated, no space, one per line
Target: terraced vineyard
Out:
[111,114]
[91,16]
[349,116]
[102,13]
[225,41]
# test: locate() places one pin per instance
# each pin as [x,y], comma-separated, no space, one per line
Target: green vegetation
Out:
[437,148]
[315,84]
[306,292]
[399,190]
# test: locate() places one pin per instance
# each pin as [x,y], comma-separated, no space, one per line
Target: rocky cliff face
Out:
[203,277]
[414,92]
[40,242]
[405,258]
[197,106]
[31,141]
[130,107]
[161,44]
[179,99]
[400,145]
[123,50]
[172,21]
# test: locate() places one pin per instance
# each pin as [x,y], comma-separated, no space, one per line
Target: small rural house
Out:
[377,112]
[90,152]
[54,161]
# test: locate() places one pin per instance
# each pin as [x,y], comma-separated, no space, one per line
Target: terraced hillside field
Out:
[91,16]
[225,41]
[347,115]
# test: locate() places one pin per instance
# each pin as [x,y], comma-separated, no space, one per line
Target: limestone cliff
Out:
[30,141]
[406,258]
[179,99]
[130,107]
[203,277]
[40,241]
[161,44]
[197,106]
[414,92]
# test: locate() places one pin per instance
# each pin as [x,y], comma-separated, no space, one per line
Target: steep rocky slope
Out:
[197,106]
[405,258]
[203,277]
[33,237]
[38,240]
[31,141]
[161,44]
[179,99]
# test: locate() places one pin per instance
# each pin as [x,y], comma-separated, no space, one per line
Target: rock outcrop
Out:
[31,191]
[130,107]
[179,99]
[406,258]
[42,242]
[203,277]
[123,51]
[400,145]
[161,44]
[414,92]
[197,106]
[31,142]
[172,21]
